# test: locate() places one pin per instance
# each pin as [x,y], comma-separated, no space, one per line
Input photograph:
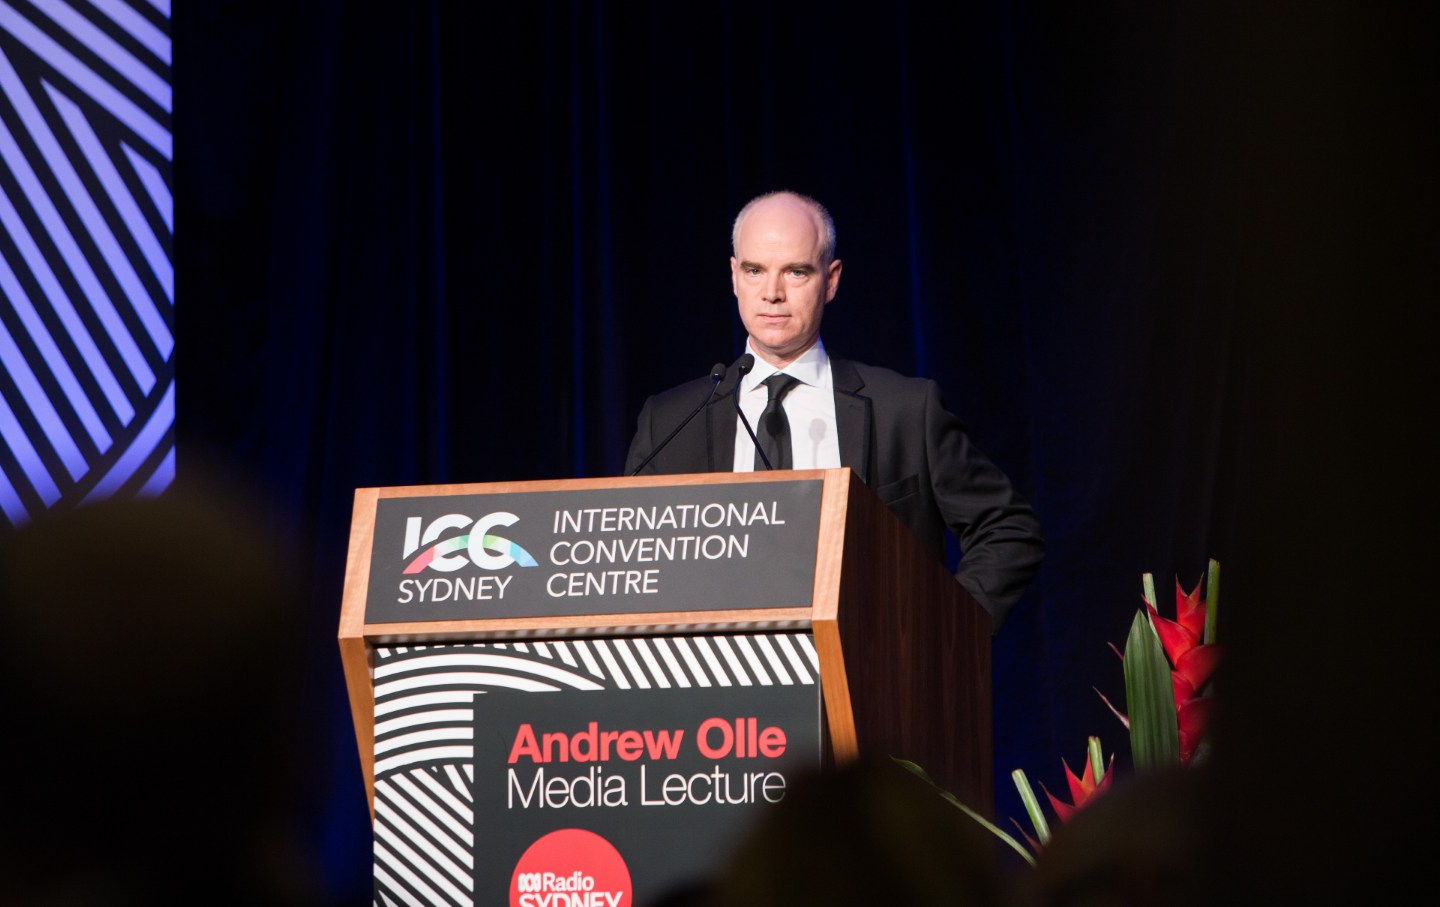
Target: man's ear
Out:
[832,279]
[734,276]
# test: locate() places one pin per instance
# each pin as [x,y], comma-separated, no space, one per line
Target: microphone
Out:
[717,374]
[744,365]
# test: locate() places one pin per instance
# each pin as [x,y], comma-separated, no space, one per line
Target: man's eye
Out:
[799,274]
[752,271]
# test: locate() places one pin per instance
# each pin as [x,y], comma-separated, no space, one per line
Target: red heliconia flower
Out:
[1197,665]
[1192,664]
[1190,610]
[1194,720]
[1188,629]
[1181,688]
[1083,789]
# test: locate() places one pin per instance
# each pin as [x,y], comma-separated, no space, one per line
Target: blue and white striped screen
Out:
[87,389]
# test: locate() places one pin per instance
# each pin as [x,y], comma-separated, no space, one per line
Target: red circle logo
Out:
[571,867]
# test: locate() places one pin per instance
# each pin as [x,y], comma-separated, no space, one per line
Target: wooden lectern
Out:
[903,651]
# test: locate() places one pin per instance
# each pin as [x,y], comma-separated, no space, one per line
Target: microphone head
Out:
[717,372]
[745,363]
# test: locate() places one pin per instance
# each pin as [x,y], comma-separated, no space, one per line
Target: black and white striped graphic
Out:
[424,738]
[87,396]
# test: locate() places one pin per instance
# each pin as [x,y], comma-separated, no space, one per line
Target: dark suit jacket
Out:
[895,433]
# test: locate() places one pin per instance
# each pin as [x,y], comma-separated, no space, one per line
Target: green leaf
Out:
[955,801]
[1097,760]
[1150,699]
[1032,805]
[1212,600]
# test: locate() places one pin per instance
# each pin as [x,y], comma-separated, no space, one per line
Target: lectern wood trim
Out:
[356,651]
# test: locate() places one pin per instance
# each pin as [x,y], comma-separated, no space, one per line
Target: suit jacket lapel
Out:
[852,418]
[852,421]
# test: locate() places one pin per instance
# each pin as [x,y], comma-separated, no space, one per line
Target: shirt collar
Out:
[812,368]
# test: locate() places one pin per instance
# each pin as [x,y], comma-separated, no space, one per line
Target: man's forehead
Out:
[782,212]
[778,225]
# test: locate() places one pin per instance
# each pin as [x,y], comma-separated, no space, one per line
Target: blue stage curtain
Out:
[462,242]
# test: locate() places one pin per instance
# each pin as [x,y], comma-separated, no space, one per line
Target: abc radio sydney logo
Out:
[451,542]
[571,867]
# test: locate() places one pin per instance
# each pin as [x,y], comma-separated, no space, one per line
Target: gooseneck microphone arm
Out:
[743,366]
[717,374]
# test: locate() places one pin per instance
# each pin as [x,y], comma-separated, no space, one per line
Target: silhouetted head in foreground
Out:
[147,683]
[868,834]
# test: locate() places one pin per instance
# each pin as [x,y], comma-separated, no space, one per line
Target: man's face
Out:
[781,283]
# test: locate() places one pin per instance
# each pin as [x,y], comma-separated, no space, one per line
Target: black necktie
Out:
[774,433]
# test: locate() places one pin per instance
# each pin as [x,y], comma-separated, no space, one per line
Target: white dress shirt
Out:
[809,407]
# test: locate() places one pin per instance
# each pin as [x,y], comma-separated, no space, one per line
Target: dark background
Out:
[1171,264]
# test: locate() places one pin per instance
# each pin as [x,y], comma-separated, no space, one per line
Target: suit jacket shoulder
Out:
[697,446]
[922,463]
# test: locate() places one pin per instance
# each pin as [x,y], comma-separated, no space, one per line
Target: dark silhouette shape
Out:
[147,691]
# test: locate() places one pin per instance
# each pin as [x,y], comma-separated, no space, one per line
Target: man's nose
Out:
[774,289]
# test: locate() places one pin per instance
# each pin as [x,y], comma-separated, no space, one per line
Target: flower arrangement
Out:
[1169,666]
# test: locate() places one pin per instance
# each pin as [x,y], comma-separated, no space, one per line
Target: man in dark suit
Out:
[812,411]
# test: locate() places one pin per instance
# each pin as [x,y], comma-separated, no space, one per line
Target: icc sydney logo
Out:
[476,544]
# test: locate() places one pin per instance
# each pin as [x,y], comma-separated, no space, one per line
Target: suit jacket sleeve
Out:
[1000,541]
